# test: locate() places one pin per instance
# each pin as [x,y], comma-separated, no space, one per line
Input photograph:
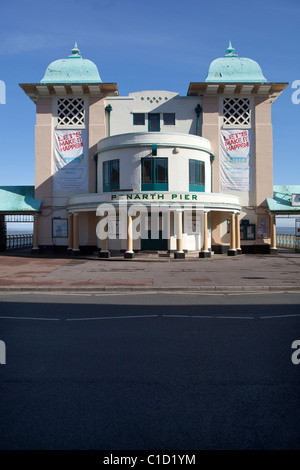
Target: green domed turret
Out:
[75,69]
[232,68]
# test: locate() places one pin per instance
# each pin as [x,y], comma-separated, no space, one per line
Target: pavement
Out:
[21,271]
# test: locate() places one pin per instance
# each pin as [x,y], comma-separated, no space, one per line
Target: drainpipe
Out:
[198,110]
[108,108]
[212,158]
[96,172]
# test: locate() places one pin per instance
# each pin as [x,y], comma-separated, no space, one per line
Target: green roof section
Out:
[18,199]
[282,199]
[234,69]
[74,69]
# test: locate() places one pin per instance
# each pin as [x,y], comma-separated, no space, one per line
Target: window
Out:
[70,112]
[196,175]
[154,122]
[111,175]
[236,112]
[169,119]
[154,174]
[247,230]
[138,119]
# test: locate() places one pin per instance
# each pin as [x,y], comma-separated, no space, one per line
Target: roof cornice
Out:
[44,90]
[270,90]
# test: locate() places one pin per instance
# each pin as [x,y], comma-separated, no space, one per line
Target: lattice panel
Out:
[70,112]
[19,218]
[236,112]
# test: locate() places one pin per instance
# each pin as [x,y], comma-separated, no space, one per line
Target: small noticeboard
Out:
[59,227]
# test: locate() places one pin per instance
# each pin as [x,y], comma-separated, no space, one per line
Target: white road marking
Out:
[208,316]
[281,316]
[112,317]
[31,318]
[113,294]
[248,293]
[240,318]
[153,316]
[189,316]
[83,294]
[262,292]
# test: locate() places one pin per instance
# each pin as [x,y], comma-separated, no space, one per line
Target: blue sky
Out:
[161,45]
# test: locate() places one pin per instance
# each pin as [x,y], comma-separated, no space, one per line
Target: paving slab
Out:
[219,273]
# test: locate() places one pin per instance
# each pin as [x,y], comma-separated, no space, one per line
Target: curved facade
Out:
[176,150]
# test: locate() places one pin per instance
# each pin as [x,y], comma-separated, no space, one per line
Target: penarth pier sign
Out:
[155,197]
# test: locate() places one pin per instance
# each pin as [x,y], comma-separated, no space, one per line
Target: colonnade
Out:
[234,248]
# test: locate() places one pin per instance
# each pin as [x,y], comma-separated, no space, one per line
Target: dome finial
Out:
[230,51]
[74,69]
[75,52]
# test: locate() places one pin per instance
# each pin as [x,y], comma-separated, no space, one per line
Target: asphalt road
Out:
[152,371]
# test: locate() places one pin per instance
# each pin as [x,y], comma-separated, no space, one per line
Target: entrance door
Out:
[150,243]
[155,244]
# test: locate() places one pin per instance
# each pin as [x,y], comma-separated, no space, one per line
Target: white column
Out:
[75,250]
[179,253]
[205,253]
[103,251]
[35,244]
[273,248]
[70,233]
[238,234]
[232,250]
[129,253]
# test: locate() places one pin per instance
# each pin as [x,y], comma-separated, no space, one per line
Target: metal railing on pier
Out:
[24,240]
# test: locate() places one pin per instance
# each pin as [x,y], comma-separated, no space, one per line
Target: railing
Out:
[19,241]
[19,218]
[288,241]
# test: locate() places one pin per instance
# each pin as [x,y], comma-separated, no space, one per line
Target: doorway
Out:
[148,242]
